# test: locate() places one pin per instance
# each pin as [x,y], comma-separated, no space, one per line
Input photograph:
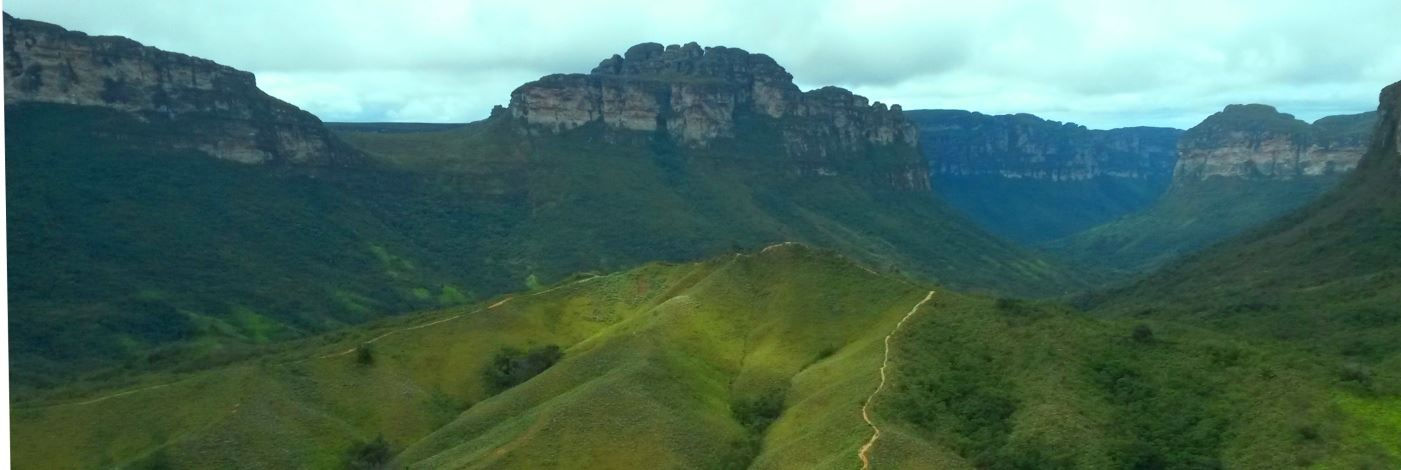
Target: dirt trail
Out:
[864,454]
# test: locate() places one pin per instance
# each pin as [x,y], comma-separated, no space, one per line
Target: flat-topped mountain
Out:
[697,95]
[1258,141]
[202,105]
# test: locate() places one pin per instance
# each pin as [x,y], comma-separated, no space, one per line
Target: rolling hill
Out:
[164,211]
[759,360]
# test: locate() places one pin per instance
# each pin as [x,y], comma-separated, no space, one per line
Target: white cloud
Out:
[1100,63]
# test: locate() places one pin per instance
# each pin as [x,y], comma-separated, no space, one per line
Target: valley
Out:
[682,259]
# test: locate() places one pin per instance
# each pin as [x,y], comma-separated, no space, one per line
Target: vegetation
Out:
[711,365]
[127,255]
[371,455]
[1190,217]
[511,366]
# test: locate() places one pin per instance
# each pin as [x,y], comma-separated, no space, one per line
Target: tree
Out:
[1142,333]
[365,355]
[369,455]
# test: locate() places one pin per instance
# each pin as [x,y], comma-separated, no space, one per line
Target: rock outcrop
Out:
[1022,146]
[697,96]
[1257,141]
[206,106]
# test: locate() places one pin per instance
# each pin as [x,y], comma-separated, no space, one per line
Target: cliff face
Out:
[209,107]
[697,96]
[1257,141]
[1023,146]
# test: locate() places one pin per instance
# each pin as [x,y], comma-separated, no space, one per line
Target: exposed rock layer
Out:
[1256,141]
[210,107]
[696,96]
[1023,146]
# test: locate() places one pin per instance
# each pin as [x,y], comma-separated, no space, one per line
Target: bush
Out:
[365,355]
[513,367]
[369,455]
[1143,333]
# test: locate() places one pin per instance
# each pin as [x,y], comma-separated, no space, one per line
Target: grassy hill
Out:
[1323,278]
[1190,216]
[761,360]
[133,255]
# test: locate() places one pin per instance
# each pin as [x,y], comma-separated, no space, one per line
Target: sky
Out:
[1103,64]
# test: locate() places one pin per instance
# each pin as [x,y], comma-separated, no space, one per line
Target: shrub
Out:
[1143,333]
[368,455]
[365,355]
[512,367]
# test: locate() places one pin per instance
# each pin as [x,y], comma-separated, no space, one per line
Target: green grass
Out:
[760,360]
[1189,217]
[655,357]
[102,215]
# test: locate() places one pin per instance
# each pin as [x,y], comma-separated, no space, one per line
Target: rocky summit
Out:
[205,106]
[696,96]
[1258,141]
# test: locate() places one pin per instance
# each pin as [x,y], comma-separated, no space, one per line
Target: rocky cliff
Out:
[1257,141]
[1023,146]
[697,96]
[205,106]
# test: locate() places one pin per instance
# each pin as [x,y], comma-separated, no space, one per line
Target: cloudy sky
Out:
[1099,63]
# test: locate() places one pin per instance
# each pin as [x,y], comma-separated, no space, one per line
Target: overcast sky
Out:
[1099,63]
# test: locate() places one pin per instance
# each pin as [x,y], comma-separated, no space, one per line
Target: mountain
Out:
[1323,278]
[204,106]
[192,219]
[1239,168]
[769,359]
[1033,180]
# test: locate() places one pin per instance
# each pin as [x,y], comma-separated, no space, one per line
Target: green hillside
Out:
[1323,278]
[1190,216]
[127,254]
[761,360]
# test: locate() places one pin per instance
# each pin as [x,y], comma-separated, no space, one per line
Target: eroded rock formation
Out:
[696,96]
[1257,141]
[206,106]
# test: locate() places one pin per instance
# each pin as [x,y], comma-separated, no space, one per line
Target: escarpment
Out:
[698,97]
[1257,141]
[197,103]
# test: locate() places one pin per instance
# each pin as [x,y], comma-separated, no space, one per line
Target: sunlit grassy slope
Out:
[760,360]
[127,254]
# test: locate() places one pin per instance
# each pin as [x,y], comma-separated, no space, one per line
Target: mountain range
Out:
[680,259]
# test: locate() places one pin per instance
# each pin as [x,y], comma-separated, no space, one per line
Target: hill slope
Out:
[1239,168]
[179,214]
[761,360]
[1323,278]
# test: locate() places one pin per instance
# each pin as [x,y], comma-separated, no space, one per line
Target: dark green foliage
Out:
[513,367]
[1142,333]
[121,246]
[1188,218]
[370,455]
[757,413]
[365,355]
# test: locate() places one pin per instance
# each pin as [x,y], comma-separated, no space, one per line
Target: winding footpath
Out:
[865,452]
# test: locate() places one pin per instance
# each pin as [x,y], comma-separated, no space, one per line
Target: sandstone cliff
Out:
[697,96]
[205,106]
[1257,141]
[1023,146]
